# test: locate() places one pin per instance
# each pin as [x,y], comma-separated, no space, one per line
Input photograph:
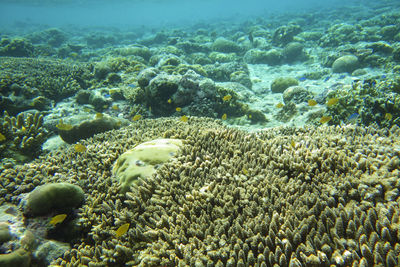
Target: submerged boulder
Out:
[347,63]
[53,196]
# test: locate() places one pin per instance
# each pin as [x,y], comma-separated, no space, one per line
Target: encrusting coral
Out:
[281,197]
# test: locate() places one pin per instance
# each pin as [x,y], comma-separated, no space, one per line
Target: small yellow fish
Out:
[115,107]
[178,109]
[136,117]
[122,230]
[112,91]
[87,109]
[58,219]
[227,98]
[245,171]
[184,118]
[325,119]
[224,116]
[79,148]
[169,101]
[279,105]
[63,126]
[250,116]
[105,106]
[292,144]
[312,102]
[388,116]
[2,137]
[332,101]
[23,128]
[99,115]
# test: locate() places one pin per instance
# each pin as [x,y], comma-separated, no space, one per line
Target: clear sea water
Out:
[22,14]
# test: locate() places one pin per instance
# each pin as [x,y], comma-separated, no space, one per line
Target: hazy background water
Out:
[109,13]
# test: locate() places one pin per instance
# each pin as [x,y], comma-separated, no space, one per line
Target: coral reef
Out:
[369,101]
[285,196]
[296,94]
[50,78]
[23,136]
[17,47]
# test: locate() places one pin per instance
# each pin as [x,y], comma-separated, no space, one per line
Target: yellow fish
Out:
[169,101]
[99,115]
[279,105]
[292,144]
[250,116]
[64,127]
[312,102]
[224,116]
[332,101]
[122,230]
[325,119]
[2,137]
[184,118]
[245,171]
[58,219]
[115,107]
[388,116]
[136,117]
[87,109]
[227,98]
[105,106]
[178,109]
[79,148]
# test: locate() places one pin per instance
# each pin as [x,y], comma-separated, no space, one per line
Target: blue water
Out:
[148,13]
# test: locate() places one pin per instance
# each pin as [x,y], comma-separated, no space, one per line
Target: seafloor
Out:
[272,141]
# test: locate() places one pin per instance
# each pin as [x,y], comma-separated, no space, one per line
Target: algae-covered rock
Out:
[258,56]
[53,196]
[347,63]
[88,128]
[5,234]
[285,34]
[296,94]
[293,51]
[225,46]
[51,250]
[142,160]
[18,258]
[145,76]
[280,84]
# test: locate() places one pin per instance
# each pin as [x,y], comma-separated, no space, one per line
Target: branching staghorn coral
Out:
[316,196]
[23,136]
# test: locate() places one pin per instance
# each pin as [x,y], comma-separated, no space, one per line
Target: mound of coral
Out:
[29,78]
[281,197]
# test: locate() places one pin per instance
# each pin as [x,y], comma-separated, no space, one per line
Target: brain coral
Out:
[281,197]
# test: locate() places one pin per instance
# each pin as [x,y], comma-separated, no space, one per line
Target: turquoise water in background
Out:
[25,14]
